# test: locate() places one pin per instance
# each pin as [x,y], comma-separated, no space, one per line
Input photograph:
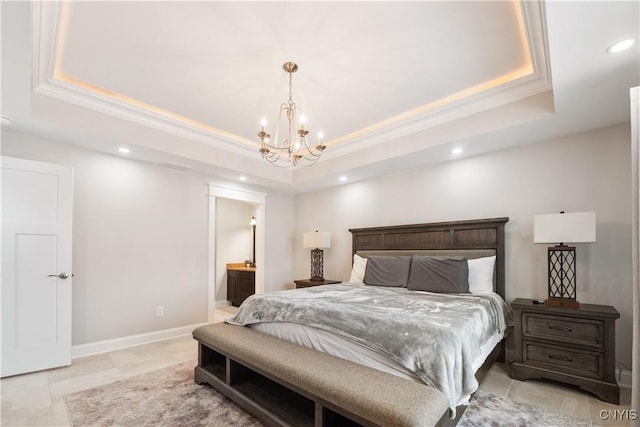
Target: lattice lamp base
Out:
[562,276]
[317,265]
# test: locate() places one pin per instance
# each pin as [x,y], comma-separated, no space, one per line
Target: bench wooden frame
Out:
[284,384]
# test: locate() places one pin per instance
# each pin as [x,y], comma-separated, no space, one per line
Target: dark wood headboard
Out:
[480,234]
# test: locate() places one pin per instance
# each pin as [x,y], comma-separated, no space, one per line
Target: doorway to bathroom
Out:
[231,239]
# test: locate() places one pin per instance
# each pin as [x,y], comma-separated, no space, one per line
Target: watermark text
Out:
[618,414]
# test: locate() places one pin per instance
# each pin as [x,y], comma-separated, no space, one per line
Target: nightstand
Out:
[570,345]
[305,283]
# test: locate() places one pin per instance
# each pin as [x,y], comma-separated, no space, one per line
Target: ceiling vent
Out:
[175,165]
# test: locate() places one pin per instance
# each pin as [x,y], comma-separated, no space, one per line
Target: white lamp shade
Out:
[576,227]
[316,239]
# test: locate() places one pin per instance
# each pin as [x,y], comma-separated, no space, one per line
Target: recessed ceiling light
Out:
[456,150]
[343,178]
[620,46]
[242,178]
[124,150]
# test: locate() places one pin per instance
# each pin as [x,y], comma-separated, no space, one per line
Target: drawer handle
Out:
[559,328]
[556,357]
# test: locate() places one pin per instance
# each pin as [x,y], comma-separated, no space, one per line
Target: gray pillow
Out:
[387,271]
[439,274]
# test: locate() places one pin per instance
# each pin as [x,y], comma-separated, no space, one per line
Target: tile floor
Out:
[37,399]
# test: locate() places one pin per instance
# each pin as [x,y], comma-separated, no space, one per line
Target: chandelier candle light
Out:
[293,150]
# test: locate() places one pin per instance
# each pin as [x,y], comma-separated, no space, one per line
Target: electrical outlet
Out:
[160,311]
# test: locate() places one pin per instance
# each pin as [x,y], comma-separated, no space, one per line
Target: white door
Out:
[37,200]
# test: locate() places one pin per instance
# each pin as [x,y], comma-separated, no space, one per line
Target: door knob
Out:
[60,276]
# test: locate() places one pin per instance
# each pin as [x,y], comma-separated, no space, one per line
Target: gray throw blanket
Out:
[437,336]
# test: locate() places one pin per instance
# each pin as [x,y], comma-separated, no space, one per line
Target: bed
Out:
[297,316]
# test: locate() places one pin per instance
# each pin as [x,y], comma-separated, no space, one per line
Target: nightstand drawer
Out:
[567,330]
[579,362]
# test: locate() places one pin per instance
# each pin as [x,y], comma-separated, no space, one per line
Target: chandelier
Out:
[293,149]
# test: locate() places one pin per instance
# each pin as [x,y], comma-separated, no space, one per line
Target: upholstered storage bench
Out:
[286,384]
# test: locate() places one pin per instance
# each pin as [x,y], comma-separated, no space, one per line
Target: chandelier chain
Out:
[290,88]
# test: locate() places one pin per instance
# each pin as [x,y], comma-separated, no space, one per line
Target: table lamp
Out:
[316,240]
[577,227]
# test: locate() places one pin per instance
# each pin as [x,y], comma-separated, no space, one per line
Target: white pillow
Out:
[481,274]
[358,270]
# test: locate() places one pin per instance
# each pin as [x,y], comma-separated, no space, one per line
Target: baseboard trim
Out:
[223,303]
[98,347]
[623,377]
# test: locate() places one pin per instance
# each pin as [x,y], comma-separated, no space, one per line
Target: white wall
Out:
[140,240]
[584,172]
[280,242]
[140,230]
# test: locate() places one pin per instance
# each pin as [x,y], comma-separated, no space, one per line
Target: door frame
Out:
[254,198]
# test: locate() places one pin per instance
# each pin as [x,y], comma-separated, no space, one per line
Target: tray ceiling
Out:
[392,85]
[217,65]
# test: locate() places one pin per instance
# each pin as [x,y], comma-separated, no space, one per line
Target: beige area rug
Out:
[487,409]
[169,397]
